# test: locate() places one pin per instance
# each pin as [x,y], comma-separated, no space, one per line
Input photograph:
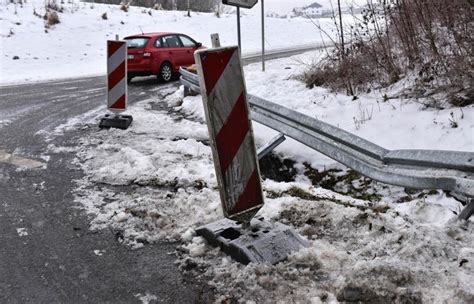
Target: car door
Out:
[174,51]
[190,46]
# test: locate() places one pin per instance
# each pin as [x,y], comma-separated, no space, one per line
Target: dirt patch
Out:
[278,169]
[347,182]
[397,286]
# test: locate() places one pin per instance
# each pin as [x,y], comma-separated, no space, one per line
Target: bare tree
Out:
[341,29]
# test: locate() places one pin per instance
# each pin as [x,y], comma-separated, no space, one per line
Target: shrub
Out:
[52,18]
[124,6]
[428,40]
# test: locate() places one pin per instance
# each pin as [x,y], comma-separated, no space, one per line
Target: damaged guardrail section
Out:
[418,169]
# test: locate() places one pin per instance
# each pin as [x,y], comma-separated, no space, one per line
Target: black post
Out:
[238,30]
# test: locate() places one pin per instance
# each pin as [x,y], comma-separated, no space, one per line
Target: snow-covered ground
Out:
[285,7]
[76,46]
[156,180]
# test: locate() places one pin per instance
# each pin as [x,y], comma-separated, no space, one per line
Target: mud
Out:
[275,168]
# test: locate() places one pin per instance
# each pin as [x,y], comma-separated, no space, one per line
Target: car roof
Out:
[153,34]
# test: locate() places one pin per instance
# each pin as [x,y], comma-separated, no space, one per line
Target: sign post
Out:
[239,33]
[263,35]
[239,4]
[116,86]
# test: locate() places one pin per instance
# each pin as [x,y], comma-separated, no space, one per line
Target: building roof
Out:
[314,5]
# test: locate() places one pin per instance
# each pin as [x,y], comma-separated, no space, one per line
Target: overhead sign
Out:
[241,3]
[230,130]
[116,75]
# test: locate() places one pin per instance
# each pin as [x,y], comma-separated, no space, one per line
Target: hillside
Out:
[76,45]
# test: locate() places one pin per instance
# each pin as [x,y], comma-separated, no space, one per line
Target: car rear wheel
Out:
[166,72]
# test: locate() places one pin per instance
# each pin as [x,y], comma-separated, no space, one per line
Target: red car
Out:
[159,54]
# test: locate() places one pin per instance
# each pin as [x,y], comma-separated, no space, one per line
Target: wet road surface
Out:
[47,252]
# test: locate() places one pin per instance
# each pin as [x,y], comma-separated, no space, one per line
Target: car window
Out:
[158,43]
[187,42]
[171,41]
[137,42]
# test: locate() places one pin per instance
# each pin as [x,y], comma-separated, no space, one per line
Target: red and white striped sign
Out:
[116,75]
[235,158]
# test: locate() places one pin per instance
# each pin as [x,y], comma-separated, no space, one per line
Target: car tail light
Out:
[146,54]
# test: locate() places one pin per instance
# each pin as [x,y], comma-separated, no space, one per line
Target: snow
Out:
[99,252]
[156,180]
[77,45]
[380,256]
[390,250]
[398,120]
[284,7]
[146,298]
[22,232]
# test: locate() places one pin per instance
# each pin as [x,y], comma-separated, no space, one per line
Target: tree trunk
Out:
[341,28]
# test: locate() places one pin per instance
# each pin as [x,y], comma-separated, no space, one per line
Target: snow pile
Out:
[151,181]
[156,181]
[357,253]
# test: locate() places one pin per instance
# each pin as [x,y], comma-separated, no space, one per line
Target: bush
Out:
[124,7]
[431,41]
[51,18]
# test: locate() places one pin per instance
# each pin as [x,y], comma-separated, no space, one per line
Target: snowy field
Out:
[76,46]
[156,180]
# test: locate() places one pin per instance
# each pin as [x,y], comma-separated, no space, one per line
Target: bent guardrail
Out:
[419,169]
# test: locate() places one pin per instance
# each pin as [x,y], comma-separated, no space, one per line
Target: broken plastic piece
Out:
[258,243]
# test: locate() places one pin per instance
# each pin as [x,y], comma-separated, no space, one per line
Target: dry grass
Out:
[51,18]
[124,6]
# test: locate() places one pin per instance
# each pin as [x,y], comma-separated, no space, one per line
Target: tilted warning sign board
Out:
[230,131]
[241,3]
[116,76]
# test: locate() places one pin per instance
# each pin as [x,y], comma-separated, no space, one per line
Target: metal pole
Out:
[263,35]
[238,30]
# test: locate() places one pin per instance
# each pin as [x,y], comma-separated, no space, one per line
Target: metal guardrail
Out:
[418,169]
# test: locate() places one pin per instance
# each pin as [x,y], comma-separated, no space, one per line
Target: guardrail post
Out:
[186,91]
[271,145]
[468,210]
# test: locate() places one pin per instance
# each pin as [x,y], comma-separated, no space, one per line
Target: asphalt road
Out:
[47,252]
